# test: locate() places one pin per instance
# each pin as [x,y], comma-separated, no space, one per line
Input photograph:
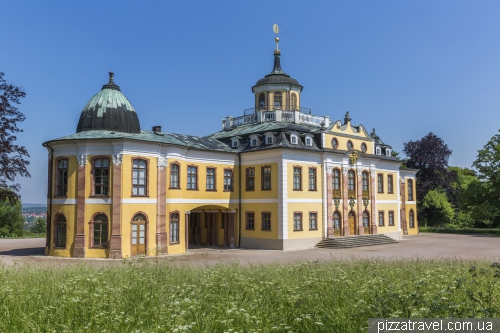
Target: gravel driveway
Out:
[423,246]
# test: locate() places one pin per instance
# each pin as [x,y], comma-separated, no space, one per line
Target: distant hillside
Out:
[33,205]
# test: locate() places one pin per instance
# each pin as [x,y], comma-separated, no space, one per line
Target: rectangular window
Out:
[266,178]
[336,179]
[210,179]
[313,221]
[62,178]
[410,190]
[297,221]
[250,220]
[174,175]
[228,180]
[389,184]
[391,217]
[192,181]
[139,177]
[174,228]
[381,218]
[380,178]
[250,179]
[297,178]
[312,179]
[101,176]
[266,221]
[269,140]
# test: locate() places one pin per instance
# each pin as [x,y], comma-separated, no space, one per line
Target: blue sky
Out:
[404,67]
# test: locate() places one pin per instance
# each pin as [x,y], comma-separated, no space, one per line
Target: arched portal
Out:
[138,234]
[352,223]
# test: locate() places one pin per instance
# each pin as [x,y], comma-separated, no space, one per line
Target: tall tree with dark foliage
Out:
[430,156]
[13,158]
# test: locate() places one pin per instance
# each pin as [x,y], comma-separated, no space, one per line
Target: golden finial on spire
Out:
[276,31]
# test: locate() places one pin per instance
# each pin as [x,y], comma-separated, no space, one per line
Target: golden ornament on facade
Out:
[353,158]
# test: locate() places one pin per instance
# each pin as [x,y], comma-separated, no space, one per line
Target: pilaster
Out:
[345,201]
[359,218]
[80,239]
[373,215]
[115,243]
[161,206]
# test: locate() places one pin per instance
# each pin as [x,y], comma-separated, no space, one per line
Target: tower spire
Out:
[276,39]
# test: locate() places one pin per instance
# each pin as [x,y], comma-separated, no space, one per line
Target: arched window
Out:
[336,220]
[139,234]
[174,175]
[366,219]
[60,231]
[139,177]
[412,219]
[262,101]
[99,230]
[174,228]
[365,181]
[294,105]
[278,100]
[336,179]
[351,183]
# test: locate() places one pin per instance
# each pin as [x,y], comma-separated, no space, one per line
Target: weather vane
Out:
[276,31]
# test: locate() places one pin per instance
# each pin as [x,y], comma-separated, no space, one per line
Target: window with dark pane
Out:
[174,176]
[278,100]
[139,177]
[297,221]
[266,221]
[60,231]
[312,179]
[174,228]
[365,181]
[62,178]
[351,181]
[210,179]
[228,180]
[250,221]
[192,178]
[336,220]
[390,184]
[297,178]
[250,179]
[336,179]
[366,219]
[100,234]
[313,221]
[266,178]
[101,176]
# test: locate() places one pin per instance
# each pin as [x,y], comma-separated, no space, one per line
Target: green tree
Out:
[438,210]
[13,162]
[485,194]
[39,226]
[11,218]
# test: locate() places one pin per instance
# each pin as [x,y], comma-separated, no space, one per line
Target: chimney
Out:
[156,128]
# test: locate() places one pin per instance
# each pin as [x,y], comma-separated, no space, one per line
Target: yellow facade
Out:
[269,179]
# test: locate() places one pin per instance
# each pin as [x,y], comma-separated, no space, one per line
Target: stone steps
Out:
[355,241]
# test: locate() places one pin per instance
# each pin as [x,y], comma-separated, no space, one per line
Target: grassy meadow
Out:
[158,296]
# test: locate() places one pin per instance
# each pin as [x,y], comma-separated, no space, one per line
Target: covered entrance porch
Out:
[210,227]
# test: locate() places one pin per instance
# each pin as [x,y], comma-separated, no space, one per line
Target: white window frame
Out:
[387,152]
[378,151]
[254,141]
[310,139]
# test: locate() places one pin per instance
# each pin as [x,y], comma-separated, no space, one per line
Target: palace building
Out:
[275,177]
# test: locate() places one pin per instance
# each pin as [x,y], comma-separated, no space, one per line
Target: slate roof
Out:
[194,142]
[264,127]
[277,75]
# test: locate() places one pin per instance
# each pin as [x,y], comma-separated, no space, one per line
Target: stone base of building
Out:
[279,244]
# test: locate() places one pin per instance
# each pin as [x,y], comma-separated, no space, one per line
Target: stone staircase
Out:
[355,241]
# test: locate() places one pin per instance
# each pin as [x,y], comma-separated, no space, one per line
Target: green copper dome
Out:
[109,110]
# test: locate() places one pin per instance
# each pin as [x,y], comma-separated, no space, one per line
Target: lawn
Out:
[336,296]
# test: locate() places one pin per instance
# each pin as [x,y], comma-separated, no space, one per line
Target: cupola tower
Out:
[277,90]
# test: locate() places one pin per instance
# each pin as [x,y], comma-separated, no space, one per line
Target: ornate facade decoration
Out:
[372,172]
[353,158]
[117,159]
[82,160]
[162,162]
[345,170]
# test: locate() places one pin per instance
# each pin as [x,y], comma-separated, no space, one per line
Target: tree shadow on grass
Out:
[32,251]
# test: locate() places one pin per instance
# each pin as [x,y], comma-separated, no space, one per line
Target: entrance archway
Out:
[211,227]
[352,223]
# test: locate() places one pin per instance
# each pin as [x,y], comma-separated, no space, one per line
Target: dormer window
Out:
[387,152]
[269,140]
[254,142]
[308,142]
[379,151]
[293,139]
[235,144]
